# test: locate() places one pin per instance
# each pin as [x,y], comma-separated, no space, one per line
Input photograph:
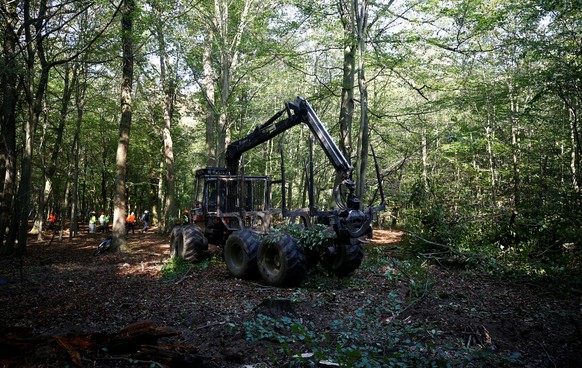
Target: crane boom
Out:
[299,111]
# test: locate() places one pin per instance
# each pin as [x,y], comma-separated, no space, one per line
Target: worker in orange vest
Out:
[52,220]
[130,223]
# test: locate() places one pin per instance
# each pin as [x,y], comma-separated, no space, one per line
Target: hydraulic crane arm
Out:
[299,111]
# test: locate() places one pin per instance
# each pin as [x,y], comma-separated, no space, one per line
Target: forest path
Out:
[61,289]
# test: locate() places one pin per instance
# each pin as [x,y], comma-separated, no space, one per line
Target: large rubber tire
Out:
[240,253]
[344,258]
[280,260]
[188,242]
[176,241]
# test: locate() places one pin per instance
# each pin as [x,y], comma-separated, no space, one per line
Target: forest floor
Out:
[62,306]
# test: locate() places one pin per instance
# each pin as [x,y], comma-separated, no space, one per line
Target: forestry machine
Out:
[233,210]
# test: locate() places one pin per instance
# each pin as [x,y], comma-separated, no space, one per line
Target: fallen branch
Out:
[73,353]
[184,277]
[444,246]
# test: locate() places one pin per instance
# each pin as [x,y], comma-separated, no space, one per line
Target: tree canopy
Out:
[472,108]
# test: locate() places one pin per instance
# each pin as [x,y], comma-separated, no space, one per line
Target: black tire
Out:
[240,253]
[188,242]
[280,260]
[176,242]
[344,258]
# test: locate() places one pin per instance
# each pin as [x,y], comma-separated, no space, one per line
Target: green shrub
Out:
[175,268]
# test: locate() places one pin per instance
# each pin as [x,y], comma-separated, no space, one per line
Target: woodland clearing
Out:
[63,306]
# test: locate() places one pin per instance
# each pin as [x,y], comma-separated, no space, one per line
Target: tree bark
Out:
[35,98]
[515,146]
[51,165]
[168,150]
[346,117]
[574,150]
[120,201]
[361,11]
[80,92]
[209,91]
[8,79]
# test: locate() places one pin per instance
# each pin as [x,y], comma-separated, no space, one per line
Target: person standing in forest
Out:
[107,219]
[145,219]
[102,223]
[92,221]
[52,221]
[130,223]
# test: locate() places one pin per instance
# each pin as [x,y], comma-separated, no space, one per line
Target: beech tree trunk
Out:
[168,89]
[80,92]
[8,79]
[573,156]
[120,200]
[346,117]
[35,98]
[361,11]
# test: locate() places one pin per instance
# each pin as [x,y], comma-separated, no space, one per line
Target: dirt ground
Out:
[61,306]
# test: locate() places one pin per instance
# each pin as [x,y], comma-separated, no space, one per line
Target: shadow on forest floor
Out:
[62,305]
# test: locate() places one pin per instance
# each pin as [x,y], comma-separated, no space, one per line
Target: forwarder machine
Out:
[233,210]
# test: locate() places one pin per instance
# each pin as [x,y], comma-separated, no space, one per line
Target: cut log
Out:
[132,337]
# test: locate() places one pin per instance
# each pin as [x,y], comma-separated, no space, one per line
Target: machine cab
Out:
[228,202]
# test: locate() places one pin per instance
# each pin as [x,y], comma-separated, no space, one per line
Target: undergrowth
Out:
[374,335]
[175,268]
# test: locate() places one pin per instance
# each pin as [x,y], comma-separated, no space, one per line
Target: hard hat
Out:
[185,211]
[146,211]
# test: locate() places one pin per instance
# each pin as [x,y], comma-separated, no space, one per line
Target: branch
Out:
[443,246]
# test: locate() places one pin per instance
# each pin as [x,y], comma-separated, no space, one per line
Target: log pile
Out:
[136,343]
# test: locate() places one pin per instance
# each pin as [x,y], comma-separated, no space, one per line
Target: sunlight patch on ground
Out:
[387,237]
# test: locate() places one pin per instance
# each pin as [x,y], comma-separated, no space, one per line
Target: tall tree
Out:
[350,46]
[120,198]
[168,83]
[361,12]
[9,96]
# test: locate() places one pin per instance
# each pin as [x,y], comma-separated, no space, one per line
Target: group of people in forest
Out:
[130,222]
[101,221]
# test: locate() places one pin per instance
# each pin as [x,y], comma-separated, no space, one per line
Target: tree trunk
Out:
[168,89]
[228,42]
[8,79]
[489,133]
[80,92]
[76,151]
[120,202]
[35,97]
[574,150]
[51,165]
[208,86]
[424,161]
[361,7]
[515,146]
[349,66]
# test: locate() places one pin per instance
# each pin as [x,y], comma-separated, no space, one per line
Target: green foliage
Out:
[410,271]
[175,268]
[314,238]
[374,335]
